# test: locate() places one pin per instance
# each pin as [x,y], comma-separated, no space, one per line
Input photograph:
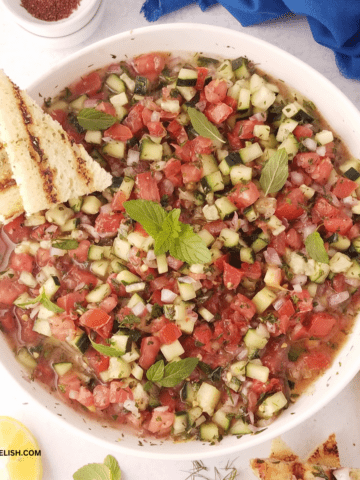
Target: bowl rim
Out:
[344,379]
[76,20]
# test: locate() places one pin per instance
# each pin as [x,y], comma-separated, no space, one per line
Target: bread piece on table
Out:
[326,454]
[47,165]
[11,204]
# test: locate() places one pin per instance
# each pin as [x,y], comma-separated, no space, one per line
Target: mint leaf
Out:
[315,247]
[105,350]
[113,465]
[176,372]
[203,126]
[190,248]
[92,119]
[170,229]
[156,372]
[93,471]
[66,244]
[275,172]
[48,304]
[130,319]
[151,215]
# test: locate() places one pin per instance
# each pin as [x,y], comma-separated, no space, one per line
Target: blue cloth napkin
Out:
[334,23]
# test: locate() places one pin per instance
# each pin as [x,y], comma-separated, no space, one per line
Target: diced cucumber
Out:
[136,239]
[209,164]
[261,242]
[100,267]
[250,153]
[99,293]
[115,83]
[127,278]
[172,350]
[262,98]
[222,419]
[272,405]
[211,213]
[62,368]
[238,369]
[353,271]
[229,237]
[244,99]
[213,182]
[254,341]
[193,415]
[115,149]
[119,101]
[137,372]
[240,174]
[240,427]
[150,150]
[256,82]
[133,355]
[70,225]
[206,314]
[250,213]
[129,82]
[187,291]
[28,279]
[225,207]
[91,205]
[78,103]
[209,432]
[162,264]
[134,300]
[26,359]
[247,255]
[181,423]
[126,186]
[286,127]
[307,191]
[135,287]
[59,214]
[51,286]
[81,341]
[42,326]
[321,271]
[262,132]
[75,203]
[96,252]
[291,145]
[206,236]
[340,263]
[257,372]
[324,137]
[121,248]
[208,397]
[263,299]
[93,136]
[118,368]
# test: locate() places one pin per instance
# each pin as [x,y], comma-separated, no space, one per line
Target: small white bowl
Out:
[80,17]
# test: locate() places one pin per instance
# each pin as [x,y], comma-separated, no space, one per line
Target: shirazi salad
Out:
[217,276]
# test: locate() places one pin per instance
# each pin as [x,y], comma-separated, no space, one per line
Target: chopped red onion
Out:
[321,151]
[297,288]
[260,117]
[350,201]
[73,394]
[57,252]
[114,68]
[158,176]
[34,311]
[91,102]
[299,280]
[133,157]
[51,229]
[106,208]
[308,230]
[91,230]
[338,298]
[167,296]
[80,286]
[163,408]
[155,116]
[201,105]
[129,172]
[318,308]
[310,144]
[271,256]
[342,473]
[354,282]
[297,178]
[335,200]
[138,308]
[278,303]
[131,406]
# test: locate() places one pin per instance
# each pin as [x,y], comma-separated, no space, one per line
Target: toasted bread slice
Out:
[326,454]
[47,165]
[11,204]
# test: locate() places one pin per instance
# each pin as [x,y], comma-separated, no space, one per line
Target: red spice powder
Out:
[50,10]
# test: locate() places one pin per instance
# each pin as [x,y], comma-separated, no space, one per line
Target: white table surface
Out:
[24,58]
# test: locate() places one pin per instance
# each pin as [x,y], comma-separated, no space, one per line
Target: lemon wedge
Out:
[25,465]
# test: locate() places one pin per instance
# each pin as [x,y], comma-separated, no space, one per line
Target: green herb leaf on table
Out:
[315,247]
[112,463]
[203,126]
[156,372]
[168,232]
[275,172]
[176,372]
[105,350]
[65,244]
[92,119]
[151,215]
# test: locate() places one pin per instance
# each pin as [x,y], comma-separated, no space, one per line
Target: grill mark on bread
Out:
[82,170]
[40,159]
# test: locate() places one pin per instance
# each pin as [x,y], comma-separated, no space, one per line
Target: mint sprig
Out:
[203,126]
[92,119]
[315,247]
[169,233]
[173,373]
[45,301]
[109,470]
[275,172]
[105,350]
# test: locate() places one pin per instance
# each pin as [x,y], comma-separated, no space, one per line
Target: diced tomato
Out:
[44,372]
[62,327]
[245,128]
[191,172]
[149,65]
[177,131]
[89,85]
[353,232]
[174,263]
[156,129]
[149,349]
[215,91]
[201,145]
[94,318]
[7,320]
[340,225]
[303,301]
[109,303]
[169,333]
[108,222]
[119,132]
[134,118]
[160,421]
[301,131]
[330,149]
[85,397]
[42,232]
[279,243]
[10,290]
[287,309]
[218,113]
[215,227]
[244,195]
[294,239]
[338,283]
[323,209]
[80,254]
[289,206]
[172,172]
[22,262]
[148,188]
[344,187]
[232,276]
[235,142]
[107,108]
[321,172]
[220,262]
[101,396]
[232,102]
[307,159]
[275,356]
[16,230]
[252,271]
[203,333]
[117,203]
[321,324]
[76,275]
[201,77]
[59,115]
[68,302]
[244,306]
[69,382]
[316,360]
[166,398]
[119,393]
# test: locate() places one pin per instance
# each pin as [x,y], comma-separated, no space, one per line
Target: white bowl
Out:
[80,17]
[342,116]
